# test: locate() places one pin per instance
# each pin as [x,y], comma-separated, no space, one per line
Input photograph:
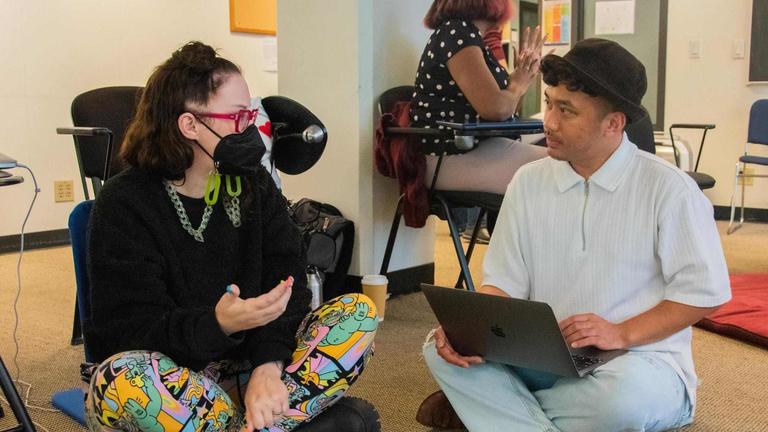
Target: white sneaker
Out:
[483,236]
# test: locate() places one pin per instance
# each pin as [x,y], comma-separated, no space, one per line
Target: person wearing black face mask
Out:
[199,305]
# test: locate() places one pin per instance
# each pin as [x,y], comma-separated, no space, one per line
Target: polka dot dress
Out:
[437,97]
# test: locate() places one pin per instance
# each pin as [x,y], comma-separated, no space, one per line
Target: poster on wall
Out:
[253,16]
[557,22]
[615,17]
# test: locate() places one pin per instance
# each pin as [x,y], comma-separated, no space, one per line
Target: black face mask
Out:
[238,153]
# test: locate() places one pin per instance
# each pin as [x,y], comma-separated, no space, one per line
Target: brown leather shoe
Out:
[436,411]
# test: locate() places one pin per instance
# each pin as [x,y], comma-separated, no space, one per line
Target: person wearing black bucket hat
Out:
[622,246]
[605,69]
[199,312]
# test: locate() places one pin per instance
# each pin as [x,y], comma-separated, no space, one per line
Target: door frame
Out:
[577,33]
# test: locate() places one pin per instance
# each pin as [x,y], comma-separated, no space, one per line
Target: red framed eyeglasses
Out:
[242,118]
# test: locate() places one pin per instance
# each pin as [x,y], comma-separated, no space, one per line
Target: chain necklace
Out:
[231,206]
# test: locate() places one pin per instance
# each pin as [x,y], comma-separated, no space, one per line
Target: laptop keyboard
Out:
[583,362]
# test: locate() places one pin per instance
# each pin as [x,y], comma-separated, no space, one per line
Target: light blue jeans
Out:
[634,392]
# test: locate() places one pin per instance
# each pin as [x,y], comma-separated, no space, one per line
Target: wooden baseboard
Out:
[35,240]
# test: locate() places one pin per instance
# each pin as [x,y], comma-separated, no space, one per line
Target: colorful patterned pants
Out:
[147,391]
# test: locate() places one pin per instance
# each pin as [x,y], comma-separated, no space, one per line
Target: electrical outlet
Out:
[694,48]
[747,181]
[63,191]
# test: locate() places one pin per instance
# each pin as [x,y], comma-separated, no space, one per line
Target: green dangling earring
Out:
[212,188]
[236,192]
[232,207]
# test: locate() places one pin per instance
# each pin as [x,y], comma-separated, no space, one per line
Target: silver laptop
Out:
[516,332]
[7,162]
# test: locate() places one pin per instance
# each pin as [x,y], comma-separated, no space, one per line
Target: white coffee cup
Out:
[375,287]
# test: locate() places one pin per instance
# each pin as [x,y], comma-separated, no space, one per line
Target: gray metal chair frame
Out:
[704,181]
[440,201]
[757,134]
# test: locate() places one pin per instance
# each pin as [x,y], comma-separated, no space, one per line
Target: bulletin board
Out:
[253,16]
[557,22]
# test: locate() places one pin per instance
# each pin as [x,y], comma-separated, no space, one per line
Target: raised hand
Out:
[527,60]
[236,314]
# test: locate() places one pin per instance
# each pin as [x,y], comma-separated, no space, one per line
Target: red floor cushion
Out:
[745,317]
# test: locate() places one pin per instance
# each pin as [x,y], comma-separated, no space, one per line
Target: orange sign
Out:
[253,16]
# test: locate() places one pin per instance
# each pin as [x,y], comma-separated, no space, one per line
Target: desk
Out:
[10,179]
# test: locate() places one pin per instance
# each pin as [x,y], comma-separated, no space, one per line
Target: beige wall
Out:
[52,50]
[324,61]
[399,38]
[337,62]
[712,89]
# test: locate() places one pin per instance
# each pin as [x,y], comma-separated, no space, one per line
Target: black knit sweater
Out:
[154,287]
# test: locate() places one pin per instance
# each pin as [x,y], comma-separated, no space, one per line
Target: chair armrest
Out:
[11,180]
[515,127]
[508,133]
[414,131]
[705,127]
[692,126]
[445,134]
[83,131]
[90,131]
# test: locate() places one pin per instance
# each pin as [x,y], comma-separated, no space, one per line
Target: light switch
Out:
[694,48]
[738,48]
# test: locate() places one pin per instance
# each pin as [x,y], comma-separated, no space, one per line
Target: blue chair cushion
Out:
[71,403]
[760,160]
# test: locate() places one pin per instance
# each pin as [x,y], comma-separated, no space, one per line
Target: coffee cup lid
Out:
[375,280]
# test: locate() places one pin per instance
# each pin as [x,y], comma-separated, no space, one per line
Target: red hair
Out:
[494,11]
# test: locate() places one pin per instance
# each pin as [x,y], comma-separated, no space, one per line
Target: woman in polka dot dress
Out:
[459,80]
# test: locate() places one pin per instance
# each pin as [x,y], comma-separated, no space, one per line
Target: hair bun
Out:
[196,55]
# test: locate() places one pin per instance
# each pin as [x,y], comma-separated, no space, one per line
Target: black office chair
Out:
[641,133]
[704,181]
[757,134]
[441,202]
[100,118]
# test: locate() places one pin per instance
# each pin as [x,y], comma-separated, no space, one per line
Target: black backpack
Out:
[329,239]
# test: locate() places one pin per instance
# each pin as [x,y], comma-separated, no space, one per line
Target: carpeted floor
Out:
[733,374]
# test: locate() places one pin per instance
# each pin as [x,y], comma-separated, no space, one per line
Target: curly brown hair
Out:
[495,11]
[153,141]
[556,73]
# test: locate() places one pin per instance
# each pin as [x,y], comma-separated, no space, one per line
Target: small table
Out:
[8,179]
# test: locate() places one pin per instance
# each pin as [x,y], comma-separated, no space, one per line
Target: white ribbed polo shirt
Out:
[639,231]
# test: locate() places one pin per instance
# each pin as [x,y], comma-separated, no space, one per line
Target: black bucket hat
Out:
[608,69]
